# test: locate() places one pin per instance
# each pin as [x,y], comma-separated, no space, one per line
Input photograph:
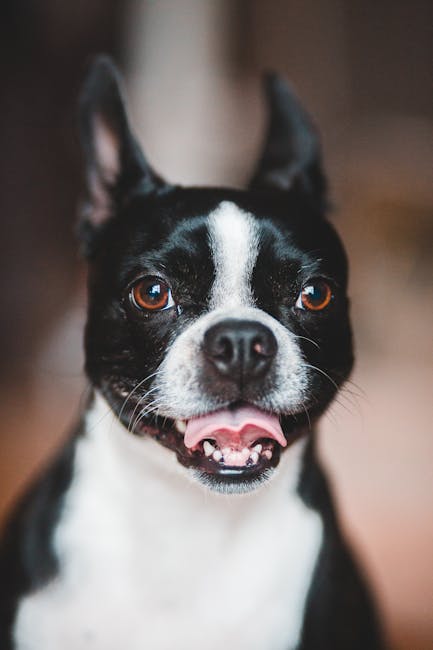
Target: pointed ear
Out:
[114,161]
[291,156]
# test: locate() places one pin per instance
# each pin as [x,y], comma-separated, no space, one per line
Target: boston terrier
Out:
[188,511]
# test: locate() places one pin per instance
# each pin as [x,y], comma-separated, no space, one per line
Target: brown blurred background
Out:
[193,66]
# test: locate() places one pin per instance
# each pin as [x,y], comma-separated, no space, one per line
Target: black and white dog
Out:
[189,512]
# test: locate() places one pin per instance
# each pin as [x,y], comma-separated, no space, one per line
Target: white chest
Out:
[150,561]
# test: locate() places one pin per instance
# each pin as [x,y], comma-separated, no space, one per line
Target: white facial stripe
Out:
[234,240]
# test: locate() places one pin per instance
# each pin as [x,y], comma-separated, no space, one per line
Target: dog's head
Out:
[218,319]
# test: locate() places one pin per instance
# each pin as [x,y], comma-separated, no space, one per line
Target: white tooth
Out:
[254,457]
[217,455]
[258,448]
[208,448]
[180,425]
[268,454]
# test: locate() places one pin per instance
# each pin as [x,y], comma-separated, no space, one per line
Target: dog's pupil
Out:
[312,293]
[315,293]
[154,292]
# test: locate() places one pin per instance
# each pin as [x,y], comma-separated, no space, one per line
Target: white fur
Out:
[150,560]
[234,242]
[234,239]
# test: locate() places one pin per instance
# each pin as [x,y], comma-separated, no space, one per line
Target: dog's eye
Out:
[151,294]
[315,296]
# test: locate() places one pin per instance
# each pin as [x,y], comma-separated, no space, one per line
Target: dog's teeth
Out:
[254,457]
[217,455]
[180,426]
[268,454]
[208,448]
[258,448]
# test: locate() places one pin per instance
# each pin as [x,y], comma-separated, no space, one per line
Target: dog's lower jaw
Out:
[230,484]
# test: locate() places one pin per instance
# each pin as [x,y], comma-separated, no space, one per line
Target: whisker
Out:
[307,339]
[332,418]
[140,383]
[151,408]
[351,398]
[308,365]
[336,400]
[308,416]
[358,392]
[98,422]
[343,406]
[140,402]
[145,408]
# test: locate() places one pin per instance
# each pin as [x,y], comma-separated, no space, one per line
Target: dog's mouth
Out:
[236,437]
[233,449]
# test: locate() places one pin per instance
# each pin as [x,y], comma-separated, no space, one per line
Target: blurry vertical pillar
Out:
[193,105]
[194,70]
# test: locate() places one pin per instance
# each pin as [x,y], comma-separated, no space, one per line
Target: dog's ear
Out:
[114,161]
[291,156]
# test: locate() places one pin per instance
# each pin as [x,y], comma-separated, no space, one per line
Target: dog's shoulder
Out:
[340,611]
[27,558]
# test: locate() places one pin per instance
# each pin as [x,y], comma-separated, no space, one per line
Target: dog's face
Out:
[218,319]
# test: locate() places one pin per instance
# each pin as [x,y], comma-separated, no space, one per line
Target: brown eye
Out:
[151,294]
[315,296]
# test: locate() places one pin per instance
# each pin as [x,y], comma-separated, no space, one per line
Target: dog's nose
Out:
[240,349]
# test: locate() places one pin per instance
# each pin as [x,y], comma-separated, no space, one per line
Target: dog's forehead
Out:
[234,237]
[227,241]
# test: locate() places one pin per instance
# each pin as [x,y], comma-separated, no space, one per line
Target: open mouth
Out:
[238,437]
[234,448]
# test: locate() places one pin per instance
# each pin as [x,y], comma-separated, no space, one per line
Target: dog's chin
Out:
[233,480]
[256,465]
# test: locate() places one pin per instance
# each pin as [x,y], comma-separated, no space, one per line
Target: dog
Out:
[189,511]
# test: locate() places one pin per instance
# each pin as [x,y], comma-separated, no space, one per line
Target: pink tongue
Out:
[236,428]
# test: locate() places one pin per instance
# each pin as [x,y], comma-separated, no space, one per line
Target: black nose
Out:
[240,349]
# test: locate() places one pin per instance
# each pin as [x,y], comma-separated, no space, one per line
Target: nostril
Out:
[264,345]
[258,348]
[222,349]
[261,348]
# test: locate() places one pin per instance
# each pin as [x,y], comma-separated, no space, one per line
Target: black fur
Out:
[339,611]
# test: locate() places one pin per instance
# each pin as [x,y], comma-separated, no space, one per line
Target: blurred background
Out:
[364,70]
